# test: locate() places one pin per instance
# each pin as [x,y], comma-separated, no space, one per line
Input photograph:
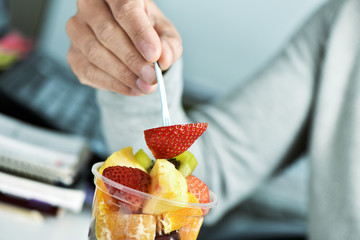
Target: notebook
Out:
[50,156]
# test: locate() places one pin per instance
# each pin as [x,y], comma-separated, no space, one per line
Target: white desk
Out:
[19,225]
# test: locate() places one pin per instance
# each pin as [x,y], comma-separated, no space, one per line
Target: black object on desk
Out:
[10,107]
[42,92]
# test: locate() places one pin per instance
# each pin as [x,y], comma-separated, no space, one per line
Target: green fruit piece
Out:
[185,163]
[143,160]
[6,61]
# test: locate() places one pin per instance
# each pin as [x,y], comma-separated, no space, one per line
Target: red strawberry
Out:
[200,190]
[131,177]
[170,141]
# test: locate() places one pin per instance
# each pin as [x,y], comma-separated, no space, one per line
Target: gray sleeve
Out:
[124,118]
[251,130]
[259,126]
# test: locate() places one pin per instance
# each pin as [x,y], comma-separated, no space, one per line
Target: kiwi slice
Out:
[144,160]
[184,163]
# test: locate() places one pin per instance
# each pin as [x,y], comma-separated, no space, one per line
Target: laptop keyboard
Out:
[53,92]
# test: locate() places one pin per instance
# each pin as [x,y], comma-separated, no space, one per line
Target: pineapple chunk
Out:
[124,157]
[166,182]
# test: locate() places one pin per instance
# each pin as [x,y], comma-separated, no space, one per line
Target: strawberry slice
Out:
[131,177]
[199,189]
[170,141]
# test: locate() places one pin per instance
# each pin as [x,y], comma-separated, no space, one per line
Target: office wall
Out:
[54,39]
[224,41]
[3,16]
[27,16]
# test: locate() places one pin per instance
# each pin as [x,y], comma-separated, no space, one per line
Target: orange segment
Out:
[113,225]
[102,193]
[177,219]
[191,230]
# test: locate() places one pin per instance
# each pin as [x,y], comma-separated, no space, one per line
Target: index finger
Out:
[132,17]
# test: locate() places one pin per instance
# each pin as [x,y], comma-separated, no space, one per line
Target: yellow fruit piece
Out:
[166,182]
[177,219]
[124,157]
[112,225]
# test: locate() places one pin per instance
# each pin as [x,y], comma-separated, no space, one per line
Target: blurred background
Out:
[210,30]
[225,42]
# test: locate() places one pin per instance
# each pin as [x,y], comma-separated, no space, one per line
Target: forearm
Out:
[256,127]
[250,130]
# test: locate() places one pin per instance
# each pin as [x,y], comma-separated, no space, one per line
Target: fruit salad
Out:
[138,197]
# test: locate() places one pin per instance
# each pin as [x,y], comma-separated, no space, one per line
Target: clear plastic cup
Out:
[120,212]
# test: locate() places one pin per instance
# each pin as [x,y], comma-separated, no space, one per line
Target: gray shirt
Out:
[305,100]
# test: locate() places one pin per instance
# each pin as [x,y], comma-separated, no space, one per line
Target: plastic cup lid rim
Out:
[96,166]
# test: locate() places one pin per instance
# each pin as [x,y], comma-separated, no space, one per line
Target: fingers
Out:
[114,38]
[115,42]
[153,35]
[170,38]
[86,42]
[91,75]
[132,17]
[122,62]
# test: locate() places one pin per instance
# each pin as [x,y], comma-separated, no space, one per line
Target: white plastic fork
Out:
[164,106]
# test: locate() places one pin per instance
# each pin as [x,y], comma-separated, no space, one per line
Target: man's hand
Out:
[114,44]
